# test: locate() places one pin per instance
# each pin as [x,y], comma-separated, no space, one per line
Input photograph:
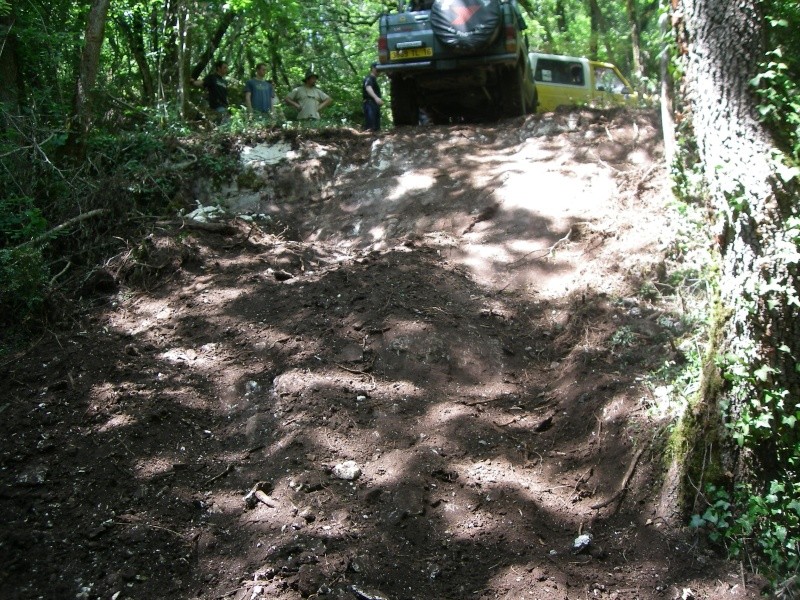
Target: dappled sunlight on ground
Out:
[420,377]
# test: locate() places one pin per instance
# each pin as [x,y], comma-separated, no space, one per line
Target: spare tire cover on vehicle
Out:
[466,25]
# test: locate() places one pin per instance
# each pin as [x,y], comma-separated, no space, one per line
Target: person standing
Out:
[308,99]
[371,93]
[217,87]
[259,94]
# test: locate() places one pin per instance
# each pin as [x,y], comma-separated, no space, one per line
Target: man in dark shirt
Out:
[371,94]
[217,87]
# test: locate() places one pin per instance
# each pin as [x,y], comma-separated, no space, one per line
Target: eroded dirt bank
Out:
[422,377]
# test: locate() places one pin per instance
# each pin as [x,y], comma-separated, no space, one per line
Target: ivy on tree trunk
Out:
[750,203]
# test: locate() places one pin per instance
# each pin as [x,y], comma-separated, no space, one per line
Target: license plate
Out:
[410,53]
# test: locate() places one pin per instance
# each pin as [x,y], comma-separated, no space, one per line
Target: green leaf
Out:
[780,533]
[786,172]
[763,372]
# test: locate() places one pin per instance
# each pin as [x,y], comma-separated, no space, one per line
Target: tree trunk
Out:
[183,36]
[90,61]
[595,19]
[168,69]
[636,41]
[12,90]
[667,90]
[751,203]
[561,16]
[213,44]
[134,35]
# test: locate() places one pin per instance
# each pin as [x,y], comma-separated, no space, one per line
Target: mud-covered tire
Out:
[466,25]
[512,92]
[405,107]
[534,103]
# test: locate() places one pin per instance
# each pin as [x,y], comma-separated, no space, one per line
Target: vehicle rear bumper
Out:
[448,64]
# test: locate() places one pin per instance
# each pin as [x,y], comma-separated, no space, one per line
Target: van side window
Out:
[558,71]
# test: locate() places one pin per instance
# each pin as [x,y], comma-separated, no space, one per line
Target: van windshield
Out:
[606,80]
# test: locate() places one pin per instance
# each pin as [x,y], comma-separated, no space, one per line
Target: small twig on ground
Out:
[512,421]
[603,163]
[227,470]
[741,573]
[599,428]
[624,485]
[643,179]
[583,479]
[213,227]
[547,251]
[364,371]
[180,535]
[59,274]
[479,402]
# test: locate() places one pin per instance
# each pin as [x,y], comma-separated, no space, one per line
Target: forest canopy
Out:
[150,49]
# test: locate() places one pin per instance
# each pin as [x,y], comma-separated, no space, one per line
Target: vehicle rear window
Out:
[559,71]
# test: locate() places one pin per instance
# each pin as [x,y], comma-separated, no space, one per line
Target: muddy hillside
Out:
[405,367]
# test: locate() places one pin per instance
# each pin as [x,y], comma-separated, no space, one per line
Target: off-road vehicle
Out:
[576,81]
[456,59]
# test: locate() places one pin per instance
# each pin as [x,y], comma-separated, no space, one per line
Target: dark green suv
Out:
[456,59]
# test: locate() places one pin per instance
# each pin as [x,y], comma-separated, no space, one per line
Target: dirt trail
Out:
[420,378]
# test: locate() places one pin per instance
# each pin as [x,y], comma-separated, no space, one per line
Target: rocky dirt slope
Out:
[419,373]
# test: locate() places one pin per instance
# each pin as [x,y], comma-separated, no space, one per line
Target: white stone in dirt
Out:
[348,470]
[206,214]
[581,543]
[267,154]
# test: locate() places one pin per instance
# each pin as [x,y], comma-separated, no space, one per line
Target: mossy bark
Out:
[758,323]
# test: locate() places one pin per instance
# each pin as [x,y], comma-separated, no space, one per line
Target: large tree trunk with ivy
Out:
[753,207]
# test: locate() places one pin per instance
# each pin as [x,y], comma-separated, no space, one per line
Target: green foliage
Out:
[623,337]
[779,95]
[676,385]
[750,522]
[23,273]
[565,27]
[759,519]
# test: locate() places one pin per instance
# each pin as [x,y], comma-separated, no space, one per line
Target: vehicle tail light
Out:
[383,50]
[511,39]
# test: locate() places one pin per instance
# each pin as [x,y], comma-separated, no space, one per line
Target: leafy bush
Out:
[759,519]
[779,96]
[23,273]
[749,522]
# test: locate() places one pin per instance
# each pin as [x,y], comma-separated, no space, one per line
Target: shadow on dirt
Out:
[421,414]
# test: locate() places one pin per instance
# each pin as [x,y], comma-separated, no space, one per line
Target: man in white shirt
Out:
[308,99]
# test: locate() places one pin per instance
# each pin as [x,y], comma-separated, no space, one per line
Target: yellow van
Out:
[570,80]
